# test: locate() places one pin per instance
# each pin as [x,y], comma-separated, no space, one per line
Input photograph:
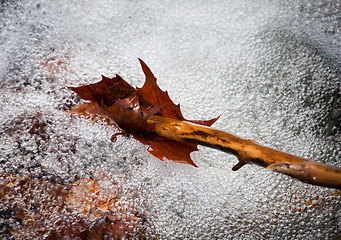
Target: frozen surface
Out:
[270,69]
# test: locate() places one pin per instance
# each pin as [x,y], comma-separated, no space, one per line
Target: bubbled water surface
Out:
[271,69]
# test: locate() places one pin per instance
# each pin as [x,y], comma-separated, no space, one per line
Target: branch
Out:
[152,118]
[248,151]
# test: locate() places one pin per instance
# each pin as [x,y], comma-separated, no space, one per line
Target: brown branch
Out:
[132,110]
[248,151]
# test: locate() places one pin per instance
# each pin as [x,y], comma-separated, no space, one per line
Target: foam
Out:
[271,70]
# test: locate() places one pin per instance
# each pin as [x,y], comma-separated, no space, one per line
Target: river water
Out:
[270,69]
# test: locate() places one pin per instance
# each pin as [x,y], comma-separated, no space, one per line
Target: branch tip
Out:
[238,166]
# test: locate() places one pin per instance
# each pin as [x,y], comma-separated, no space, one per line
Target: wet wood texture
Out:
[248,151]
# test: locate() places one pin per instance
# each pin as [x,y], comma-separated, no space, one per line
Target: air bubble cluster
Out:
[271,69]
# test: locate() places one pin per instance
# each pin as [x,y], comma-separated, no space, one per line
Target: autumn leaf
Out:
[153,94]
[150,116]
[158,98]
[86,209]
[129,108]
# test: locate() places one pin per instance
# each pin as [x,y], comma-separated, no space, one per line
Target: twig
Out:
[248,151]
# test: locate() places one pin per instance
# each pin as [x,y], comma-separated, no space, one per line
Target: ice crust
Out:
[270,69]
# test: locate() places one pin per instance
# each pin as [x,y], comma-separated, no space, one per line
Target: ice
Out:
[271,69]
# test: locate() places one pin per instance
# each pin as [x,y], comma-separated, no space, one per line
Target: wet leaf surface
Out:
[128,108]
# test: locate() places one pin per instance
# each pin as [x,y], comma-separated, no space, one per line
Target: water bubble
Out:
[270,69]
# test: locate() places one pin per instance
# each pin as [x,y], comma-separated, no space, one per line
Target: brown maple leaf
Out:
[151,117]
[128,108]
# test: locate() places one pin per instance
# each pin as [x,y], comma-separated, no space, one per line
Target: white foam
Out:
[271,70]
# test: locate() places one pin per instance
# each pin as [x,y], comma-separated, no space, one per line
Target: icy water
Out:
[270,69]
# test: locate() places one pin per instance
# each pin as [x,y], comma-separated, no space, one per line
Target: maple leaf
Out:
[150,116]
[128,109]
[153,94]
